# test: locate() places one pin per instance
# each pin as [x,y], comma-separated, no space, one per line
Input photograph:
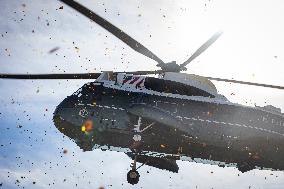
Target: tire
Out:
[133,177]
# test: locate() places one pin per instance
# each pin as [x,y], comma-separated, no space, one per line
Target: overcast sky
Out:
[250,49]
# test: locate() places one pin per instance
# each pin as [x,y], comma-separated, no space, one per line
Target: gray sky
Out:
[251,49]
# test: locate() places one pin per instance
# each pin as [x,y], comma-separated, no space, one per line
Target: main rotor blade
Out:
[202,48]
[113,29]
[51,76]
[96,75]
[143,72]
[245,83]
[71,76]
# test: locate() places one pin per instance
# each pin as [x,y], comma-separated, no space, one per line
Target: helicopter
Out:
[175,116]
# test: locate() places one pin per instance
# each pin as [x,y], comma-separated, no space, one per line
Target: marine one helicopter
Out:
[158,120]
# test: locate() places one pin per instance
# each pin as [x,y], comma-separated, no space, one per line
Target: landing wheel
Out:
[133,177]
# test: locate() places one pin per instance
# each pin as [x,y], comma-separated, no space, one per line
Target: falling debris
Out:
[53,50]
[107,113]
[77,49]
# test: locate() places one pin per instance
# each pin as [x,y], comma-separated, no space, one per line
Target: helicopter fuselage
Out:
[171,125]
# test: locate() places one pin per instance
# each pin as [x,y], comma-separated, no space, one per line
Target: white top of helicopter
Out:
[201,83]
[137,81]
[192,80]
[189,79]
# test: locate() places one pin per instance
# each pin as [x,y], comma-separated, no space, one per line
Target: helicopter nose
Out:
[67,103]
[70,110]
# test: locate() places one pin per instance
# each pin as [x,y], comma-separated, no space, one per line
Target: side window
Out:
[173,87]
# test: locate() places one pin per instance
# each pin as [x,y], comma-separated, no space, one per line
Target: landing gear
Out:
[133,175]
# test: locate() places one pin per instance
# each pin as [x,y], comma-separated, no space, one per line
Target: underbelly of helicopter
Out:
[191,128]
